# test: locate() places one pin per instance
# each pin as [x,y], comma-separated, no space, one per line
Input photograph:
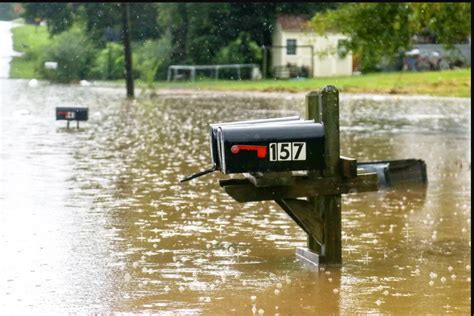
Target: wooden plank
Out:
[348,167]
[308,256]
[292,215]
[400,171]
[313,108]
[303,213]
[271,179]
[330,118]
[242,190]
[408,170]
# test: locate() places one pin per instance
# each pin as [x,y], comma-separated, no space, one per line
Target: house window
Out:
[291,47]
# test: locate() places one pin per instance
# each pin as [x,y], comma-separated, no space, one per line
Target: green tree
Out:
[74,53]
[9,11]
[103,21]
[200,31]
[240,51]
[59,16]
[449,22]
[109,64]
[152,58]
[173,18]
[206,30]
[381,30]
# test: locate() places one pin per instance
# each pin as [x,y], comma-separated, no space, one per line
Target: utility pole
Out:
[127,49]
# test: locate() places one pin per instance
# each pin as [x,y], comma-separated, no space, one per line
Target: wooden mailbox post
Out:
[312,200]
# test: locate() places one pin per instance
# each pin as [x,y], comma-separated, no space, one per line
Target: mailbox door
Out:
[271,148]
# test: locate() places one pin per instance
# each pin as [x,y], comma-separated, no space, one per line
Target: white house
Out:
[295,43]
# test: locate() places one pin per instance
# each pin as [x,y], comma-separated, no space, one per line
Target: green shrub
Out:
[152,58]
[75,55]
[240,51]
[109,64]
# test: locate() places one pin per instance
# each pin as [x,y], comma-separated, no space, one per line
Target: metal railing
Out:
[173,70]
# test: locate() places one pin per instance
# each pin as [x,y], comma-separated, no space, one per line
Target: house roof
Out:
[293,23]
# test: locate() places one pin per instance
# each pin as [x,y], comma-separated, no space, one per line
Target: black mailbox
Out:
[270,147]
[214,127]
[72,114]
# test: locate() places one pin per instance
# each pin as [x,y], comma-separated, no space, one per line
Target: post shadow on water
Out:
[71,130]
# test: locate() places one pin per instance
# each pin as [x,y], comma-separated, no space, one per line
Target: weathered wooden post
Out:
[324,107]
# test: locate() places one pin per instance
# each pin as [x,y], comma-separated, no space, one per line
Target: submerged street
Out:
[95,220]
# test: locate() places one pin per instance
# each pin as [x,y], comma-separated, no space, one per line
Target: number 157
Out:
[287,151]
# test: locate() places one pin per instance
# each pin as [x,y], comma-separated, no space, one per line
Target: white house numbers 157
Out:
[287,151]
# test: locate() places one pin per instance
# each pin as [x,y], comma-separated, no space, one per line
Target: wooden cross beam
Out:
[243,190]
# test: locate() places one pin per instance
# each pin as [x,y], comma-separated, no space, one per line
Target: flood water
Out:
[94,219]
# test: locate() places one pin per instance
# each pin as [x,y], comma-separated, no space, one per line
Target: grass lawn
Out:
[31,41]
[455,83]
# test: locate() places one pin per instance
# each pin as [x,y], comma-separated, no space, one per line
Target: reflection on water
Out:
[94,219]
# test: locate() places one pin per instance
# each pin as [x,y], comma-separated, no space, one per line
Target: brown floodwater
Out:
[94,219]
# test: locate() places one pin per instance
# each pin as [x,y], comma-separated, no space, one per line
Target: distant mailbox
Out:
[72,114]
[51,65]
[273,145]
